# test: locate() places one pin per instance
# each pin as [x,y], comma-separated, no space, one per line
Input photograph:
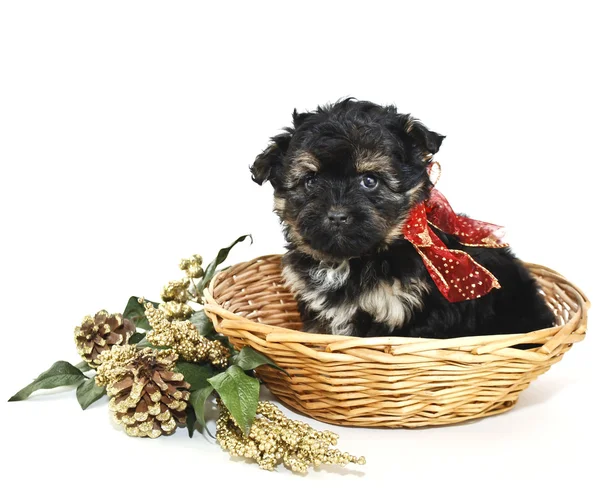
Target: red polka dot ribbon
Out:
[454,272]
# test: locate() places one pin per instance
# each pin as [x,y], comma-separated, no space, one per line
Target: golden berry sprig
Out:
[184,339]
[175,310]
[176,291]
[275,439]
[192,266]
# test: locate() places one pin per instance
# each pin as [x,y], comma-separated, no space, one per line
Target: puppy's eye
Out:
[310,180]
[369,181]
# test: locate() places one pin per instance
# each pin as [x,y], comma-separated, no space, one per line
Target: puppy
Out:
[345,180]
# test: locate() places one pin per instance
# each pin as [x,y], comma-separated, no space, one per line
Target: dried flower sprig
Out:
[184,339]
[275,439]
[192,266]
[175,310]
[176,291]
[148,391]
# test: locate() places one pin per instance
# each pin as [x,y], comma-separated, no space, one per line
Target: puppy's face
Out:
[346,177]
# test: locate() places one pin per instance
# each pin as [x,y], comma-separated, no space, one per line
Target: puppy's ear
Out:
[299,118]
[418,134]
[270,159]
[426,139]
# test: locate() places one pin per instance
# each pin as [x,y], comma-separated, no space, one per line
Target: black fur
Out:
[352,271]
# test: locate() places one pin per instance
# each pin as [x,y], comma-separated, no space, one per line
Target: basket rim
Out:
[484,344]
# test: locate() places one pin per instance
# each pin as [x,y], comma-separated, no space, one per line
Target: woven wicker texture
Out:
[388,381]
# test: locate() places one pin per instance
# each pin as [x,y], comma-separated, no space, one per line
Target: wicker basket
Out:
[391,381]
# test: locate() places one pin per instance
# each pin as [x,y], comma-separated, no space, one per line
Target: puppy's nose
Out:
[337,216]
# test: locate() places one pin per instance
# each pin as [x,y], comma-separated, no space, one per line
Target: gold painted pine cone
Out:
[99,333]
[147,395]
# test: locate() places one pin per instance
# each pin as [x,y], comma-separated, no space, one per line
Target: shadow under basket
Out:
[386,381]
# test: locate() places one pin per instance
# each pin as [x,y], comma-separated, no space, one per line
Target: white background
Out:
[126,131]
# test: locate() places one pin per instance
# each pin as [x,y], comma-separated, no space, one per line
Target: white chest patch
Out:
[330,278]
[325,279]
[393,304]
[390,304]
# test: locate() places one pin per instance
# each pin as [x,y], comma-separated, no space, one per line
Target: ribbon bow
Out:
[454,272]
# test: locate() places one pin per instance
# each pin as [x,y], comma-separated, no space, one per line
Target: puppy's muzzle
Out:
[337,217]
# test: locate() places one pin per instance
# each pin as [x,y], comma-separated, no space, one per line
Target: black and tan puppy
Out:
[346,177]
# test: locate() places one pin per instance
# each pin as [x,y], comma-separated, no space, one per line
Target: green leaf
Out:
[249,359]
[221,257]
[83,366]
[197,400]
[239,393]
[61,373]
[144,343]
[196,375]
[190,420]
[206,328]
[203,324]
[135,312]
[88,392]
[136,337]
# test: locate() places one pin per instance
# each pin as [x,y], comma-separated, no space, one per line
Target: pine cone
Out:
[147,395]
[100,333]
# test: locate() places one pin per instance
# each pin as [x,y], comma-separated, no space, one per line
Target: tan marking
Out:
[301,245]
[302,164]
[397,229]
[279,206]
[411,193]
[308,159]
[394,234]
[375,162]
